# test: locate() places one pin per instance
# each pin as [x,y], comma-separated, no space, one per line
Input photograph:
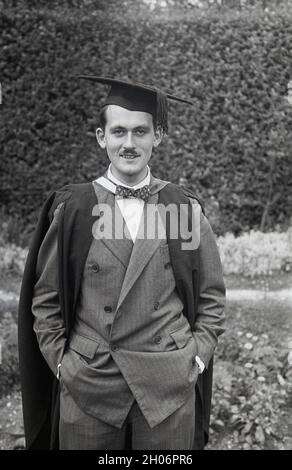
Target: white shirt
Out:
[131,208]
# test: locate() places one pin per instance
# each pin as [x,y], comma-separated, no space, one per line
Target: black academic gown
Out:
[40,388]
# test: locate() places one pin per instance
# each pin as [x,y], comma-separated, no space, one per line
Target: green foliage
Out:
[221,4]
[234,146]
[256,253]
[12,259]
[9,371]
[252,378]
[11,232]
[251,254]
[12,255]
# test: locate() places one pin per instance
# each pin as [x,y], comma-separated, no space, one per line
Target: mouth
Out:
[129,156]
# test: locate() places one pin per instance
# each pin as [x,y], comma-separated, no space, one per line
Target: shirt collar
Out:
[145,181]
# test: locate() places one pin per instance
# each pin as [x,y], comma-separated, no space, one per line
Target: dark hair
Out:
[102,118]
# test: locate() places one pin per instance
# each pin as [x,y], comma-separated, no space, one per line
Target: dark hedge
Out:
[233,147]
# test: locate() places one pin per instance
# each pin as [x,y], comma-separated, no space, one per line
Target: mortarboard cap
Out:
[137,97]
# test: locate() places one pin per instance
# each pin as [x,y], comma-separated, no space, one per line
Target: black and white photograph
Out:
[145,228]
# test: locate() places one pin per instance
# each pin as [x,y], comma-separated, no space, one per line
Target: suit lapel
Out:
[143,248]
[121,248]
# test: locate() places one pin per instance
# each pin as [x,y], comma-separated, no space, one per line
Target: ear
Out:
[100,137]
[158,135]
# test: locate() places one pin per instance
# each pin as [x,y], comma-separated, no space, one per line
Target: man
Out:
[121,305]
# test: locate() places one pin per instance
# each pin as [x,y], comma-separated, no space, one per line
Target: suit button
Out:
[194,362]
[114,347]
[108,309]
[157,339]
[167,265]
[95,268]
[156,305]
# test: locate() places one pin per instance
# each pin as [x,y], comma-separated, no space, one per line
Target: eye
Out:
[118,132]
[140,132]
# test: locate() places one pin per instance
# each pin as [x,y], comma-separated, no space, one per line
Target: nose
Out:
[129,143]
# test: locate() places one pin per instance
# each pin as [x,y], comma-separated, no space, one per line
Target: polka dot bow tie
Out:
[141,193]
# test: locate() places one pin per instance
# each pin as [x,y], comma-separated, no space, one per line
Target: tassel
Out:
[162,111]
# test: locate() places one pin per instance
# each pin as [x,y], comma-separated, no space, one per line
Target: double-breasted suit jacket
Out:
[130,340]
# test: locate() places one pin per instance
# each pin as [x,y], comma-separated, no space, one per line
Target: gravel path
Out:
[284,295]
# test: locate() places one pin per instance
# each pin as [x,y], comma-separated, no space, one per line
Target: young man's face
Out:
[129,138]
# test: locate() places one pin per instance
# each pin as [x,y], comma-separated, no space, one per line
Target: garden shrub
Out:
[234,146]
[9,369]
[12,259]
[252,376]
[251,254]
[256,253]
